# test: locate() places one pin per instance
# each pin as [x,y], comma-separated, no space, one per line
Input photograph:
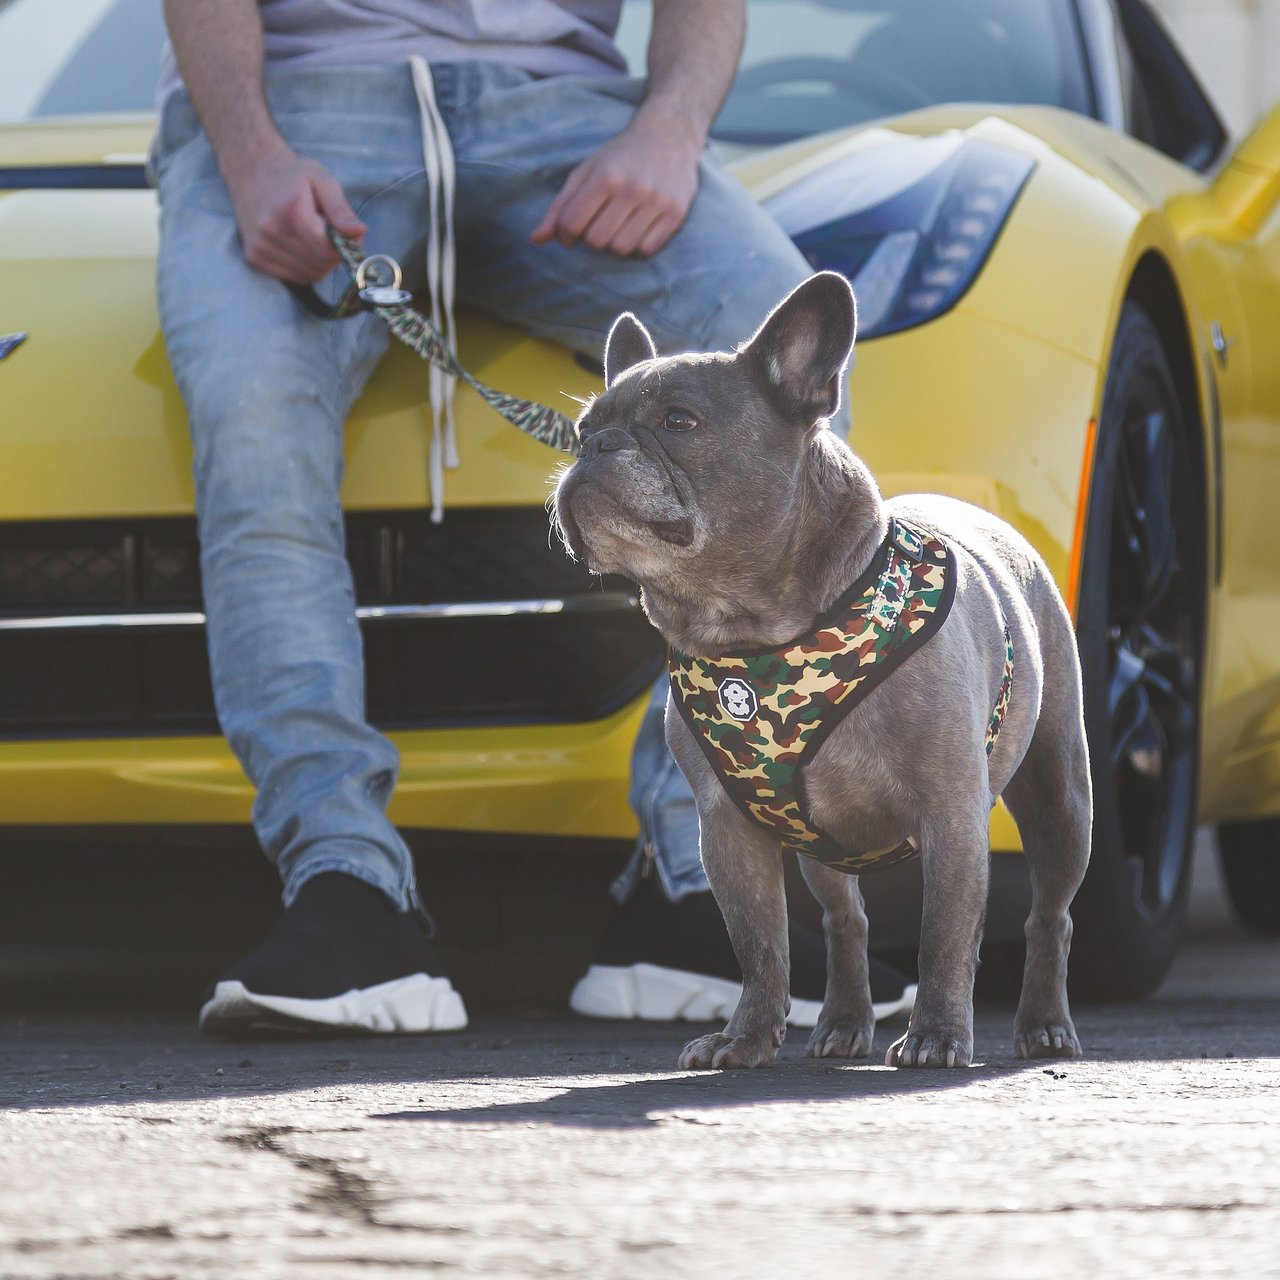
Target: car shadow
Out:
[598,1073]
[520,1069]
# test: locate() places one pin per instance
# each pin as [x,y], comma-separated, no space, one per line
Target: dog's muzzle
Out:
[607,440]
[627,477]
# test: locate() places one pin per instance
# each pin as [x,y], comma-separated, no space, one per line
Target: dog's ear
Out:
[801,350]
[628,344]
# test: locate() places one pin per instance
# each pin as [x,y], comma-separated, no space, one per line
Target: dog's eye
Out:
[679,420]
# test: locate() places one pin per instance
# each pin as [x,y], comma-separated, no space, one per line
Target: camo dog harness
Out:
[760,716]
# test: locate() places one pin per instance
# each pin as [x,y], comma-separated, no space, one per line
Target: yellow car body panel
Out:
[566,780]
[991,402]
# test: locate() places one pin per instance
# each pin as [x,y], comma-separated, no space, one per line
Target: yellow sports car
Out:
[1069,286]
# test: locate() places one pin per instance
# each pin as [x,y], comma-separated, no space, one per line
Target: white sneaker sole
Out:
[665,995]
[416,1003]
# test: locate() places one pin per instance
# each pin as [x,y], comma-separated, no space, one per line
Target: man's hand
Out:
[631,195]
[282,203]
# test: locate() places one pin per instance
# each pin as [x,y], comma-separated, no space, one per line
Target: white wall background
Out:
[1234,47]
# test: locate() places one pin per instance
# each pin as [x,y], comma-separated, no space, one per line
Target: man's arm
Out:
[632,195]
[281,200]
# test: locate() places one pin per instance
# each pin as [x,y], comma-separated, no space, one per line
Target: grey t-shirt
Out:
[547,37]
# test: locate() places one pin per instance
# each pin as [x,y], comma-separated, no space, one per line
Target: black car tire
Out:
[1250,857]
[1139,622]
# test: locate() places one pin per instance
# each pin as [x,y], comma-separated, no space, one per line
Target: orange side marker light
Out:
[1082,516]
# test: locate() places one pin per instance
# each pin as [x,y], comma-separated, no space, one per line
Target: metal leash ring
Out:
[377,291]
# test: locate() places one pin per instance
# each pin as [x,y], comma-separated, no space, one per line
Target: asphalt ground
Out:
[533,1144]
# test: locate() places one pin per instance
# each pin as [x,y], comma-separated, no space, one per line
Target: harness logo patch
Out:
[738,698]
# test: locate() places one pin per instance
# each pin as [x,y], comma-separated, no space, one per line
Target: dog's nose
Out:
[608,440]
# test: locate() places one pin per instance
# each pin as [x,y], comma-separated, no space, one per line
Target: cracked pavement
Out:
[130,1147]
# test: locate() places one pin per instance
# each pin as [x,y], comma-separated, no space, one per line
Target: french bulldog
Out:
[716,483]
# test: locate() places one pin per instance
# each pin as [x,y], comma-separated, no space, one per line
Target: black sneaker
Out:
[341,958]
[664,960]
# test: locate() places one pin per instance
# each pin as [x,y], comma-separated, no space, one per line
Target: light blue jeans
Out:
[268,387]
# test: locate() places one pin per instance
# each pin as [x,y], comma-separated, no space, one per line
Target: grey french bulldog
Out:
[716,483]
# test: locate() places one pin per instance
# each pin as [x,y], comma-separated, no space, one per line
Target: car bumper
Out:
[567,779]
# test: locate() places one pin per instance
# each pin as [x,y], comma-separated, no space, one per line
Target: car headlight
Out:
[909,223]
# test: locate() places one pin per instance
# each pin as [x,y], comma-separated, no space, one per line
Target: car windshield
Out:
[809,65]
[814,65]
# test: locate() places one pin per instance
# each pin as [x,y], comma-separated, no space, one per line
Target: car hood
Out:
[91,423]
[1131,168]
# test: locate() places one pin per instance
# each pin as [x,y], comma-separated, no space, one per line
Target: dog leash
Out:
[375,286]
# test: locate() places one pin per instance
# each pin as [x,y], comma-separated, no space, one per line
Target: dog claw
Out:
[841,1037]
[931,1048]
[720,1052]
[1046,1040]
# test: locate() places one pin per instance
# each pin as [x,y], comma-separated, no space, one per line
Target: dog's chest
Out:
[861,787]
[762,717]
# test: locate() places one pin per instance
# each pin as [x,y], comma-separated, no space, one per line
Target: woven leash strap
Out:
[540,421]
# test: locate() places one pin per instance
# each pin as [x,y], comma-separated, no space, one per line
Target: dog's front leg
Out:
[847,1021]
[744,865]
[954,852]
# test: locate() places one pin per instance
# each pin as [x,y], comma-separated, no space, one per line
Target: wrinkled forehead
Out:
[691,381]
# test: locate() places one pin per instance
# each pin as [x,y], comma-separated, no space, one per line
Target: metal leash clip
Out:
[373,285]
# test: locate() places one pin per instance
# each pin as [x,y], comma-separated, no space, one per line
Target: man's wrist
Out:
[245,156]
[666,121]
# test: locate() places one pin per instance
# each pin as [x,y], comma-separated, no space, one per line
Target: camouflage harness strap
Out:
[760,716]
[391,305]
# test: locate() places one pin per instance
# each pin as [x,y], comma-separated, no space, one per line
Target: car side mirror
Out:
[1248,188]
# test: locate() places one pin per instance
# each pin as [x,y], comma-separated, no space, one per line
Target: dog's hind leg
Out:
[1051,800]
[846,1023]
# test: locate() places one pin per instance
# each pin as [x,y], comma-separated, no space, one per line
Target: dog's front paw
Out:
[931,1047]
[1046,1039]
[714,1052]
[838,1036]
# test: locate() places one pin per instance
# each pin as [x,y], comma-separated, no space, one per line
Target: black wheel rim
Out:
[1153,647]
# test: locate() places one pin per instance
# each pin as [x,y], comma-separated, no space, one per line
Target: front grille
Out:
[90,680]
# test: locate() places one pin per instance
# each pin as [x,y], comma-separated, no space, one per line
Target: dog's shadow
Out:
[652,1101]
